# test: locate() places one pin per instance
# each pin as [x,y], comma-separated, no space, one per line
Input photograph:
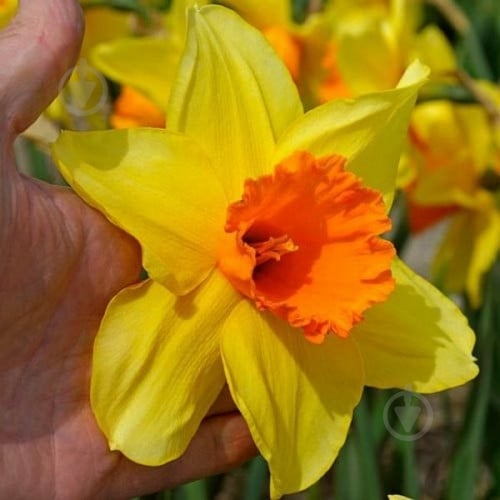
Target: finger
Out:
[221,443]
[36,49]
[223,404]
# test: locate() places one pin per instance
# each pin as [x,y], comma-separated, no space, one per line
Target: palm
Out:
[72,262]
[60,263]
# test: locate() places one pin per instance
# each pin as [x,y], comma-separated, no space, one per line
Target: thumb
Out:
[36,49]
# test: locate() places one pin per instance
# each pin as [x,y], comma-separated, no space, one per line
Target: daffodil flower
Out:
[146,67]
[259,228]
[458,153]
[376,43]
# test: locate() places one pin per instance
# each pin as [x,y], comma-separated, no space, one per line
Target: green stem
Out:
[367,452]
[466,461]
[406,452]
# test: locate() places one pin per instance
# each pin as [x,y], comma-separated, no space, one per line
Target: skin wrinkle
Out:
[43,280]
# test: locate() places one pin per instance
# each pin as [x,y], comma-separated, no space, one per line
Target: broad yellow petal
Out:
[297,397]
[157,367]
[368,131]
[158,187]
[417,339]
[147,64]
[232,94]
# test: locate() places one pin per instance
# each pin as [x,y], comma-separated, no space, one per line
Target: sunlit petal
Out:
[233,94]
[369,132]
[297,397]
[417,339]
[147,181]
[157,368]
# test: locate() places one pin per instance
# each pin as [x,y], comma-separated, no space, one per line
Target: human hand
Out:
[61,262]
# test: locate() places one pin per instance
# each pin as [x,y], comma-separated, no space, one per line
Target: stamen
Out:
[273,248]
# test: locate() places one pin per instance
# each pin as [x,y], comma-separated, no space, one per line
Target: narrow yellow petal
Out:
[147,64]
[433,48]
[486,244]
[417,339]
[157,367]
[158,187]
[368,131]
[233,94]
[452,260]
[297,397]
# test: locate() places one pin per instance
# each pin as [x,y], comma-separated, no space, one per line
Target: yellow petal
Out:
[368,131]
[452,260]
[147,64]
[433,48]
[461,262]
[417,339]
[158,187]
[174,19]
[103,24]
[485,233]
[297,397]
[368,61]
[450,137]
[232,94]
[157,367]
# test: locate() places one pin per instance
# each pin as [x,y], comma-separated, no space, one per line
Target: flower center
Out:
[271,249]
[304,244]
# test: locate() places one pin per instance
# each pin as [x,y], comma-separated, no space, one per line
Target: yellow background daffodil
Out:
[295,351]
[456,150]
[145,67]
